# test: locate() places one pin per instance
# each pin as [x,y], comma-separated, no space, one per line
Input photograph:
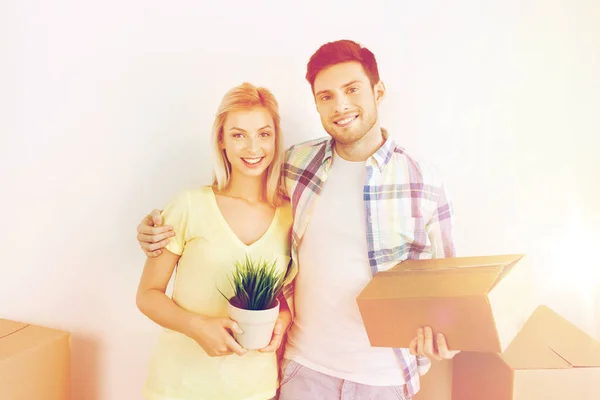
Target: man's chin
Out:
[346,137]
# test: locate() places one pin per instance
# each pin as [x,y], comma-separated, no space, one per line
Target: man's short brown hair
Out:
[340,51]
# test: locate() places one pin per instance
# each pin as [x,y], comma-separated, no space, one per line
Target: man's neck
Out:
[364,148]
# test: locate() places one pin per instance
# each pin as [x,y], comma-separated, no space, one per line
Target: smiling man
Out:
[361,204]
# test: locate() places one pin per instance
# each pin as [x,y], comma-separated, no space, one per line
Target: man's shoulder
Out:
[421,171]
[304,153]
[308,146]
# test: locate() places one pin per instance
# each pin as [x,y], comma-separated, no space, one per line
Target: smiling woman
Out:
[253,146]
[246,137]
[241,214]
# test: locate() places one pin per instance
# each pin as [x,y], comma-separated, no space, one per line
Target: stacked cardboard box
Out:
[511,348]
[549,359]
[34,362]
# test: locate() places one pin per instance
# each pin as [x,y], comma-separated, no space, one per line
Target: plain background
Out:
[106,108]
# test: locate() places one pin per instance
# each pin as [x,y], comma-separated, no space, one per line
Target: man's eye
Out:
[352,90]
[325,98]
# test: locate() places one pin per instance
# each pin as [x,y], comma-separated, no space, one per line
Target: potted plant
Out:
[254,305]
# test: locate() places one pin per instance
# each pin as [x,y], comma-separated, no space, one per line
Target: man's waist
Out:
[366,370]
[339,348]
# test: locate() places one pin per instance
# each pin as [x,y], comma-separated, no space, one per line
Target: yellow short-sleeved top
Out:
[179,368]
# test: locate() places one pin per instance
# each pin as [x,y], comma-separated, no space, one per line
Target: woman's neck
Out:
[249,188]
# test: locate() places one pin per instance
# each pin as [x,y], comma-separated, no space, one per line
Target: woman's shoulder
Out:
[187,200]
[202,193]
[194,195]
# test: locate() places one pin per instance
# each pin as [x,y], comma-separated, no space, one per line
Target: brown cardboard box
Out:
[34,362]
[479,303]
[436,384]
[550,359]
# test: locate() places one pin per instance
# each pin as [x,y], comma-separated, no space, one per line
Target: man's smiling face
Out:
[346,101]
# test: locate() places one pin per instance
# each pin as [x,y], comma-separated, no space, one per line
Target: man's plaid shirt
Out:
[406,207]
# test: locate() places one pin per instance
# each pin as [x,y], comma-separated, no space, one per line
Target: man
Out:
[361,205]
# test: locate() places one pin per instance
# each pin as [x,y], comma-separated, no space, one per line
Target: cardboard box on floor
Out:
[479,303]
[550,359]
[35,362]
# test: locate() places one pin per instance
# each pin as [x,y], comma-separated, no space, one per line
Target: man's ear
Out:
[379,91]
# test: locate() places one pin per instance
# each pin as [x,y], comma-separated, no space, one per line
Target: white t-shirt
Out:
[328,334]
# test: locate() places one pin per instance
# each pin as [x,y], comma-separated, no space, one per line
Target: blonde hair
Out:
[243,97]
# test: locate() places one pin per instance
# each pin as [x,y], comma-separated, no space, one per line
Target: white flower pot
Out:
[257,325]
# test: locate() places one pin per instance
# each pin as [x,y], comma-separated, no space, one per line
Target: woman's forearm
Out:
[161,309]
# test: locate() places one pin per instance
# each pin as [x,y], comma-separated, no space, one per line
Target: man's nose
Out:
[341,104]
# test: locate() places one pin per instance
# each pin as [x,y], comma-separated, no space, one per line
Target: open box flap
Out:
[549,341]
[8,327]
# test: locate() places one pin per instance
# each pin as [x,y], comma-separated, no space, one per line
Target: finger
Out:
[412,347]
[153,254]
[154,230]
[232,326]
[443,348]
[273,346]
[145,224]
[155,217]
[157,246]
[428,345]
[420,340]
[144,238]
[223,352]
[278,329]
[235,346]
[275,340]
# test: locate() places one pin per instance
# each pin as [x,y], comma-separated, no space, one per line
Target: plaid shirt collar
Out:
[380,158]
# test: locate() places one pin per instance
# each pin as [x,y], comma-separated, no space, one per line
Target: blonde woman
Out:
[196,357]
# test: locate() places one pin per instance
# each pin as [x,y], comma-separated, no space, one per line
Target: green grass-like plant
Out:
[256,284]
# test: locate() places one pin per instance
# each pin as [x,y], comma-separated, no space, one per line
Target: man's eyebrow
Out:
[320,92]
[351,83]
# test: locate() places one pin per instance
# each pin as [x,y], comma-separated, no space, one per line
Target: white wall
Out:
[106,108]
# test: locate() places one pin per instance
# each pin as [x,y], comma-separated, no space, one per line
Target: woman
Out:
[241,214]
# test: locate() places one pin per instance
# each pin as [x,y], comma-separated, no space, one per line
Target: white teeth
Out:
[252,160]
[345,120]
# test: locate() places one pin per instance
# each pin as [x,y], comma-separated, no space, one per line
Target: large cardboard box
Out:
[35,362]
[550,359]
[436,384]
[478,303]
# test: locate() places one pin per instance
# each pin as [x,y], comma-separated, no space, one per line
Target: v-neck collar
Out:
[236,239]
